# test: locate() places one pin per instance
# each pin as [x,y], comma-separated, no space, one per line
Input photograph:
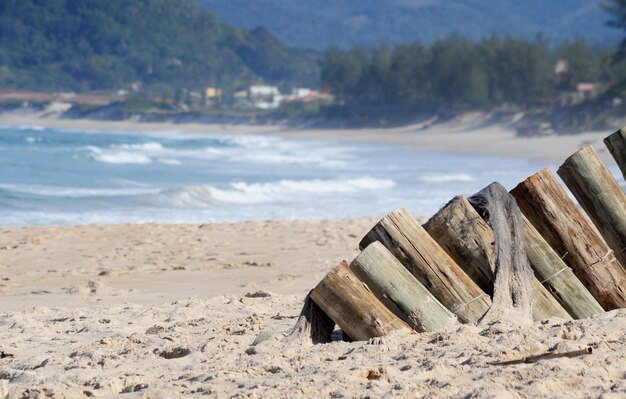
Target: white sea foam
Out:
[317,186]
[446,177]
[151,146]
[122,157]
[257,193]
[76,192]
[212,151]
[169,161]
[239,149]
[29,127]
[117,156]
[144,153]
[249,141]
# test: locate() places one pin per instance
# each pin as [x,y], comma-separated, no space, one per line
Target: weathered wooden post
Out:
[600,195]
[557,277]
[616,143]
[467,238]
[350,303]
[402,235]
[397,289]
[547,206]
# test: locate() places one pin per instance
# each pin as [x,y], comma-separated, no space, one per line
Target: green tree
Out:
[617,9]
[94,44]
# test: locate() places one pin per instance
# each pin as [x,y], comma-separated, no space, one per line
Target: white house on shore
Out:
[264,97]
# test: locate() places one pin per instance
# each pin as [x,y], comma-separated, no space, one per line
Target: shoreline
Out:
[467,134]
[173,310]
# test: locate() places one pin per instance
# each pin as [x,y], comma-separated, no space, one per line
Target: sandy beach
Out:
[468,133]
[164,311]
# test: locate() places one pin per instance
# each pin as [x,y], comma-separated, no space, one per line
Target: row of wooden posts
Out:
[439,274]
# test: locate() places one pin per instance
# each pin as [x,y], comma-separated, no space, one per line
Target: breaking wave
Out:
[446,177]
[257,193]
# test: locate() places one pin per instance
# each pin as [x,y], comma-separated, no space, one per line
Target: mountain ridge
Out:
[320,24]
[85,45]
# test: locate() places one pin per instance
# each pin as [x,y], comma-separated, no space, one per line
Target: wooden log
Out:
[349,303]
[547,206]
[397,289]
[467,238]
[402,235]
[616,143]
[600,195]
[557,277]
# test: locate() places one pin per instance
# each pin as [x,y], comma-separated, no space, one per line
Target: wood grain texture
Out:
[350,303]
[557,277]
[550,210]
[402,235]
[600,196]
[397,289]
[616,143]
[467,238]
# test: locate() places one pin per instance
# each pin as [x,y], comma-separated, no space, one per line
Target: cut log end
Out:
[352,306]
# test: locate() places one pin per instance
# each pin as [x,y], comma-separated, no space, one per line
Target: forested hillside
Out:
[345,23]
[456,72]
[93,44]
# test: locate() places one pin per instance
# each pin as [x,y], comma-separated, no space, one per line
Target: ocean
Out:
[65,177]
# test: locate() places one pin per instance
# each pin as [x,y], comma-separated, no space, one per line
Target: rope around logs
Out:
[555,274]
[512,293]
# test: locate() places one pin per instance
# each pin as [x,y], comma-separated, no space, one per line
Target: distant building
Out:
[585,91]
[589,91]
[211,96]
[213,92]
[264,97]
[303,94]
[263,91]
[270,97]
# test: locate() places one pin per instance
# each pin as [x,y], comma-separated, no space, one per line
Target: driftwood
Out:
[350,303]
[430,265]
[557,277]
[467,238]
[616,143]
[512,288]
[545,356]
[548,207]
[600,195]
[397,289]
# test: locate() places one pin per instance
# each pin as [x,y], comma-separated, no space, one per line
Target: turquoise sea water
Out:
[50,176]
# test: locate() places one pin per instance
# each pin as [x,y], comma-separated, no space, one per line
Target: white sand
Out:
[114,349]
[97,311]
